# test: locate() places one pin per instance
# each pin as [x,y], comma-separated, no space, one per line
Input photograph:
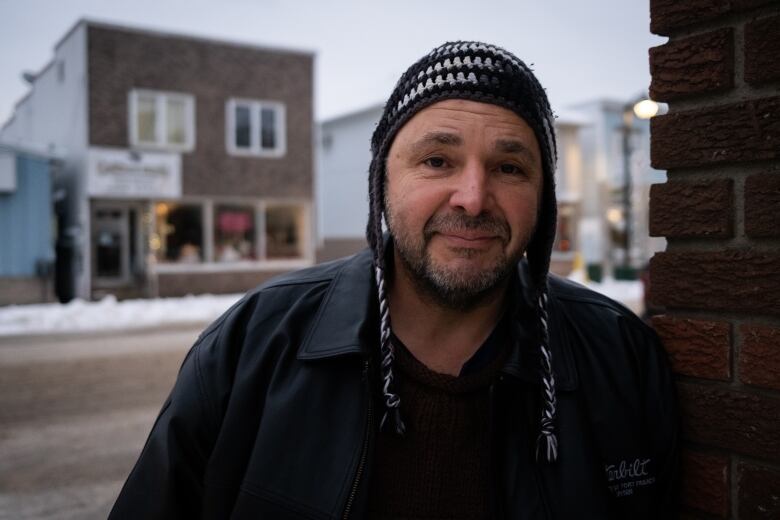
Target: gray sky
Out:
[580,50]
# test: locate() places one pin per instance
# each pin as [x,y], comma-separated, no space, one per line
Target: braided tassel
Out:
[392,412]
[547,442]
[392,401]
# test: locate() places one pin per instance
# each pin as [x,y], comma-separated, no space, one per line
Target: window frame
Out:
[161,98]
[262,263]
[256,107]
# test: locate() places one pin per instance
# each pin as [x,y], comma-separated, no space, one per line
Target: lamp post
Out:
[642,108]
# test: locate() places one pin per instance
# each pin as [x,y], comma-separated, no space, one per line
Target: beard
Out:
[457,288]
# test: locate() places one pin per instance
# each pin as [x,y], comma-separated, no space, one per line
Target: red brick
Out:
[705,483]
[745,131]
[759,356]
[700,64]
[759,492]
[692,209]
[733,420]
[668,15]
[762,202]
[762,51]
[120,60]
[696,348]
[735,280]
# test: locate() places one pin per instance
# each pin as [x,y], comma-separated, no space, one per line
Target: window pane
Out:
[146,119]
[176,119]
[179,232]
[268,128]
[243,126]
[234,233]
[284,232]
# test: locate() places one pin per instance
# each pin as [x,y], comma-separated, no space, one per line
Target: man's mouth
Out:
[468,239]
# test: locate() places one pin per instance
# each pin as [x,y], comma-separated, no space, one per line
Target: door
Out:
[111,244]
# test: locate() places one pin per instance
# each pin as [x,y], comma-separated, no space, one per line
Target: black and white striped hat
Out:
[479,72]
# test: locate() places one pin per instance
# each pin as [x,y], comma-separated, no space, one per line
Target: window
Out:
[164,120]
[284,227]
[234,233]
[227,234]
[255,128]
[178,235]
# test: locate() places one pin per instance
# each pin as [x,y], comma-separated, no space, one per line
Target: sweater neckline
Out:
[480,376]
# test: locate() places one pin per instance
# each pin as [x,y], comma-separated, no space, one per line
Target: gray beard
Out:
[451,289]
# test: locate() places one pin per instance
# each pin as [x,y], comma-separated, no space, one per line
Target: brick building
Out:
[719,280]
[188,162]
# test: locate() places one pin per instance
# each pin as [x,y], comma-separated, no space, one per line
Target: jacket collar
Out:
[346,316]
[347,323]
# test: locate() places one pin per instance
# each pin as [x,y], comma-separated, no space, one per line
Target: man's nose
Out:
[471,189]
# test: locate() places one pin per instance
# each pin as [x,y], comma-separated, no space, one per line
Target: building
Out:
[590,180]
[342,182]
[187,162]
[27,226]
[616,147]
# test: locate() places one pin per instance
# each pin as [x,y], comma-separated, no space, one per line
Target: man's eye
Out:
[435,162]
[510,169]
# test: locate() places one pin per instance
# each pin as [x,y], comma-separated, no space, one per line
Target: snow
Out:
[110,314]
[628,292]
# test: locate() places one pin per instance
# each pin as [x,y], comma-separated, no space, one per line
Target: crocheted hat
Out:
[485,73]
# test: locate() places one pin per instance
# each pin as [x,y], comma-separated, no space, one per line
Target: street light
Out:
[643,108]
[646,108]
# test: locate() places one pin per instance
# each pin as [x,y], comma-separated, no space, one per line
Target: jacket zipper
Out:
[364,449]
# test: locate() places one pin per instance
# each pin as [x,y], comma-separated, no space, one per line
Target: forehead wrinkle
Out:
[440,138]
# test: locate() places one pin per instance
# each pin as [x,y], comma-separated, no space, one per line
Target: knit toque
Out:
[488,74]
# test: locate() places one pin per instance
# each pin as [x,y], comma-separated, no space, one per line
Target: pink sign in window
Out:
[234,221]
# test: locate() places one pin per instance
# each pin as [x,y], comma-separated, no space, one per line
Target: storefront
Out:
[146,239]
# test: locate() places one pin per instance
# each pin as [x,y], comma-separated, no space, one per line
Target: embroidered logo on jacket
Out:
[626,476]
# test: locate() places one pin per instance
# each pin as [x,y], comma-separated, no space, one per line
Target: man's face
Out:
[464,184]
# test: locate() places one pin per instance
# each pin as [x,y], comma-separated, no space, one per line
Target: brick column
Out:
[719,280]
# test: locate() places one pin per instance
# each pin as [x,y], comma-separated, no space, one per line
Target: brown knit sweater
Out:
[440,469]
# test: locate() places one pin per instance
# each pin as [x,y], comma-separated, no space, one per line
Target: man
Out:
[496,391]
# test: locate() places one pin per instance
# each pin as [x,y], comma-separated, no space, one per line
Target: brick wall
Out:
[123,59]
[719,280]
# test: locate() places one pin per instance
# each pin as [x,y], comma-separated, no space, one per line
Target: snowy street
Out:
[74,414]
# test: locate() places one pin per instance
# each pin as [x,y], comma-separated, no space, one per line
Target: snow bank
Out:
[628,292]
[110,314]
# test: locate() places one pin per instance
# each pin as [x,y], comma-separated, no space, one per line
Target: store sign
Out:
[121,173]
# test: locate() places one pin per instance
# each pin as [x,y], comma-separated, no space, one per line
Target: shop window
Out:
[234,233]
[284,227]
[163,120]
[255,128]
[179,233]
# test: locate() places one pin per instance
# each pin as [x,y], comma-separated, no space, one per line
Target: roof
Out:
[31,149]
[375,107]
[183,36]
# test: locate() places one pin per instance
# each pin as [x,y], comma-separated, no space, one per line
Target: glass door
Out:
[110,244]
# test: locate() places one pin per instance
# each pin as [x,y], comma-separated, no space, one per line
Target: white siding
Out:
[342,181]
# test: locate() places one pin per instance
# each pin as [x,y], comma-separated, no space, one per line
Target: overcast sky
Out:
[580,50]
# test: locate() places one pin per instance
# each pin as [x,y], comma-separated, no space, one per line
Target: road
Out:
[74,414]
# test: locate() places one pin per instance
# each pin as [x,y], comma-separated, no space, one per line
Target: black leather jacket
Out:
[273,413]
